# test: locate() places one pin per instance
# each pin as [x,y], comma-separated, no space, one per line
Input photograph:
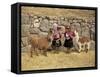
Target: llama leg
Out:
[40,51]
[31,52]
[45,52]
[80,47]
[83,47]
[76,46]
[68,50]
[36,51]
[88,47]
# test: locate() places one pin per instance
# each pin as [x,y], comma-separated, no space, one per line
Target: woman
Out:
[68,43]
[56,38]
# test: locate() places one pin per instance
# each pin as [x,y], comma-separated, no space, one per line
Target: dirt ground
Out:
[60,60]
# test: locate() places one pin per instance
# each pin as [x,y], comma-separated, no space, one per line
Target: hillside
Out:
[58,12]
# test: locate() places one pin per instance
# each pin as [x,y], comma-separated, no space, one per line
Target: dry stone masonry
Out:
[40,25]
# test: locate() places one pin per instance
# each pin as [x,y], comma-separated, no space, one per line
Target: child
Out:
[68,37]
[56,38]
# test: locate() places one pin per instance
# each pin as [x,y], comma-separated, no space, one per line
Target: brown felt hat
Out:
[67,27]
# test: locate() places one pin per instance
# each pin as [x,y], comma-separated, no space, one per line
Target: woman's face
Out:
[66,30]
[69,29]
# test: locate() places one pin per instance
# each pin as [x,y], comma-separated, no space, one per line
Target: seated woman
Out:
[68,43]
[56,38]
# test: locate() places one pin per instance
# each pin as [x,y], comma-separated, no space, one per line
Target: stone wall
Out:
[40,25]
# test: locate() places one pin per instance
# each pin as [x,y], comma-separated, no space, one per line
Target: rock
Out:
[40,19]
[43,34]
[31,22]
[75,21]
[34,31]
[76,24]
[26,48]
[24,41]
[35,17]
[25,19]
[25,30]
[92,45]
[36,23]
[44,29]
[51,23]
[84,24]
[85,32]
[62,18]
[44,25]
[70,21]
[79,20]
[63,21]
[55,17]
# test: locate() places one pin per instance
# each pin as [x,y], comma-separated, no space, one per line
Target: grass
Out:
[58,12]
[60,60]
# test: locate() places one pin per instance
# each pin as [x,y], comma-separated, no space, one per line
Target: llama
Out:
[39,45]
[81,43]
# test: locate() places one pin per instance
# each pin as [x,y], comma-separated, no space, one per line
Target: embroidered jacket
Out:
[69,35]
[56,35]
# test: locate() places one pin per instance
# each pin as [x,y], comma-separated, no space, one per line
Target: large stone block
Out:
[44,26]
[24,41]
[25,30]
[26,48]
[43,34]
[34,31]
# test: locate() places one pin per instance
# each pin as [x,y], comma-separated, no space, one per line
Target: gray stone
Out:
[84,24]
[70,21]
[76,24]
[75,21]
[24,41]
[85,32]
[44,29]
[24,19]
[35,17]
[92,45]
[25,30]
[36,23]
[62,18]
[40,19]
[34,30]
[43,34]
[26,48]
[44,25]
[79,20]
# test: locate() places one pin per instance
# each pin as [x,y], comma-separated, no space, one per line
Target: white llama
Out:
[81,43]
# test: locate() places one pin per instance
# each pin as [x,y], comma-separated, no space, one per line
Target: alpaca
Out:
[39,45]
[81,43]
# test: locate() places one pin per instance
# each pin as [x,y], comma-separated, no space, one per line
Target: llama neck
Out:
[76,36]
